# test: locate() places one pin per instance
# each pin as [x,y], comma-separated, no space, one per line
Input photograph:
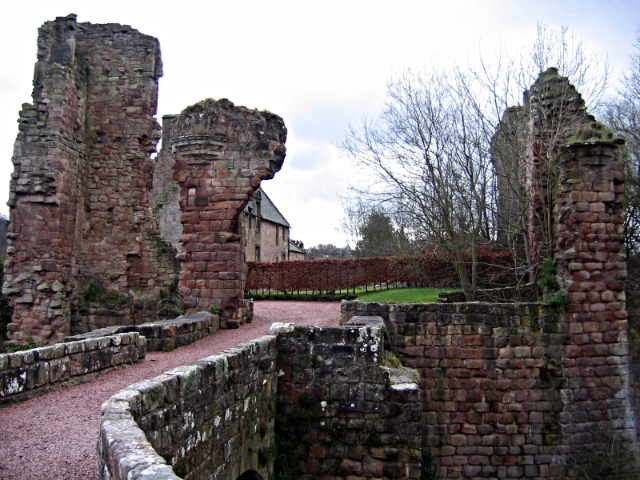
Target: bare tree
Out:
[623,115]
[430,151]
[529,130]
[429,162]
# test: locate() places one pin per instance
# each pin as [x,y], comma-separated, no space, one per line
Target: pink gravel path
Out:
[54,436]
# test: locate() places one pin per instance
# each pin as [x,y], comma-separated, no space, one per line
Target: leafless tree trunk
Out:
[429,153]
[429,163]
[623,115]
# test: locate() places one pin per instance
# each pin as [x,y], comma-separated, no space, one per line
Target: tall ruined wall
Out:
[166,191]
[222,153]
[79,202]
[592,270]
[525,152]
[513,390]
[506,156]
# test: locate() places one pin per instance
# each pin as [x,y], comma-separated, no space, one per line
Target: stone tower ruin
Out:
[85,251]
[221,154]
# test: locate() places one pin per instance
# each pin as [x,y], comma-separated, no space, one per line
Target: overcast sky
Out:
[319,65]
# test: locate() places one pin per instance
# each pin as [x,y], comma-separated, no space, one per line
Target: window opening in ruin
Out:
[257,259]
[277,235]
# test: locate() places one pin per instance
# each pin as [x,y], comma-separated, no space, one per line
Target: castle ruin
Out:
[501,390]
[85,251]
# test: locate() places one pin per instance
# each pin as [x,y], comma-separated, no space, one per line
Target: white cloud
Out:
[318,65]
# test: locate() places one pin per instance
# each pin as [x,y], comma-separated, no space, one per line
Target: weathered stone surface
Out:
[165,335]
[503,384]
[30,373]
[220,421]
[79,201]
[334,374]
[221,154]
[218,416]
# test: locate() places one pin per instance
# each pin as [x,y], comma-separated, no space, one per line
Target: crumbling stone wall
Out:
[507,390]
[224,415]
[525,152]
[222,153]
[79,201]
[340,413]
[166,191]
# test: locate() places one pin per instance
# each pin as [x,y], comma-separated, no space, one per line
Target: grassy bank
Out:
[403,295]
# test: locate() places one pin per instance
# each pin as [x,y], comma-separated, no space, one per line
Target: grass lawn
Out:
[403,295]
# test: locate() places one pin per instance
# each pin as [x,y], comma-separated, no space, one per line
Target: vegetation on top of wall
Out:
[12,348]
[390,360]
[593,132]
[95,293]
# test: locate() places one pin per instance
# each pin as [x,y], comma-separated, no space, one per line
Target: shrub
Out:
[430,268]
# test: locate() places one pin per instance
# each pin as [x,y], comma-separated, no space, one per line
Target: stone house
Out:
[295,252]
[267,232]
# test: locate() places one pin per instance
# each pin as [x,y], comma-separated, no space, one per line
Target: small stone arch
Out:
[250,475]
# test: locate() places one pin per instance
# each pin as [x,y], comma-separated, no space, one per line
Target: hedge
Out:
[429,268]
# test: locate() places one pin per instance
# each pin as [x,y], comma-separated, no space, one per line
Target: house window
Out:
[257,259]
[277,236]
[258,215]
[277,258]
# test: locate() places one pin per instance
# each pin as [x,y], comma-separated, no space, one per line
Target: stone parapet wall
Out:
[166,335]
[507,390]
[224,415]
[360,420]
[211,418]
[30,373]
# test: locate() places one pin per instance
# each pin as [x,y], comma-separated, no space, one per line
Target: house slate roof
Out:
[294,248]
[268,210]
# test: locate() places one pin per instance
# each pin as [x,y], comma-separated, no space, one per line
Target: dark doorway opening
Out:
[250,475]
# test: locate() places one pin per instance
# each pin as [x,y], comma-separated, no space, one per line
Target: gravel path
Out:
[54,436]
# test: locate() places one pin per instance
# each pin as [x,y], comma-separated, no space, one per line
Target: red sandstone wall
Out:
[79,201]
[222,154]
[592,269]
[506,392]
